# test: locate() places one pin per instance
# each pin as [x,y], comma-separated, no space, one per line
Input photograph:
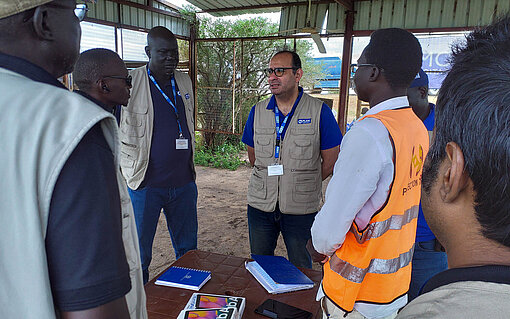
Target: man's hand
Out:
[316,256]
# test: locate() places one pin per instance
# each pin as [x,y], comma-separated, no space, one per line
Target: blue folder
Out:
[281,270]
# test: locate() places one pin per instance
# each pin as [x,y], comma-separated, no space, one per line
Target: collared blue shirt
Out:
[329,130]
[423,232]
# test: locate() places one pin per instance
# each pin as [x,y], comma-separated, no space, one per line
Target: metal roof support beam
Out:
[348,4]
[346,70]
[265,6]
[144,7]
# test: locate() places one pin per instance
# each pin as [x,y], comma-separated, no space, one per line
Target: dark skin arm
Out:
[116,309]
[316,256]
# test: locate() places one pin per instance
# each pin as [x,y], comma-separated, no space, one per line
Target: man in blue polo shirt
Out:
[293,142]
[428,259]
[157,135]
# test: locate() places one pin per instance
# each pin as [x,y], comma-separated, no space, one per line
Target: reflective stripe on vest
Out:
[380,228]
[373,265]
[377,266]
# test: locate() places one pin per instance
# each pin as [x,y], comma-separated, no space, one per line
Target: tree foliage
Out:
[230,71]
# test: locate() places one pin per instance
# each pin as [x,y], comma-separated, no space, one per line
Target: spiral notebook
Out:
[186,278]
[277,275]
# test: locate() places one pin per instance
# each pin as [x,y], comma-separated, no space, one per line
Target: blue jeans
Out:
[180,208]
[426,263]
[265,228]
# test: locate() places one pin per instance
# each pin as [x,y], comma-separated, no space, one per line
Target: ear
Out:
[454,179]
[40,23]
[374,75]
[102,87]
[148,51]
[299,75]
[424,91]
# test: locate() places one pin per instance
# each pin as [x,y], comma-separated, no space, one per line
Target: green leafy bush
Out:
[225,155]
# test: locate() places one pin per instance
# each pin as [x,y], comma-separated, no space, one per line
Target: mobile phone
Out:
[278,310]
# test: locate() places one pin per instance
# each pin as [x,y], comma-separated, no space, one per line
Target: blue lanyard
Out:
[168,99]
[279,129]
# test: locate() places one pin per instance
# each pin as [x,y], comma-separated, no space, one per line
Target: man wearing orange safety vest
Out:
[365,232]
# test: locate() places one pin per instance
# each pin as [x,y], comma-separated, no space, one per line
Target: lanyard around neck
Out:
[168,99]
[279,129]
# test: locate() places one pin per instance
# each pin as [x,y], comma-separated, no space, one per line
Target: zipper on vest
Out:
[304,170]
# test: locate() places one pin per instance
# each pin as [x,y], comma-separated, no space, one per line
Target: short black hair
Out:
[160,32]
[296,60]
[91,65]
[473,110]
[398,53]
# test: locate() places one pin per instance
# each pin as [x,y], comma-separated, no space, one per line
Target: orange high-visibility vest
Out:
[373,265]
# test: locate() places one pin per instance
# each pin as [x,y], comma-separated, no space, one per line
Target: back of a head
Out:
[398,53]
[92,65]
[473,110]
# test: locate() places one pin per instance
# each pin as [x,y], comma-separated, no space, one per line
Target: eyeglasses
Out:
[277,71]
[128,79]
[356,66]
[80,10]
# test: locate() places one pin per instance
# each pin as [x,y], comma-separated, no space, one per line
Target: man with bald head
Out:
[60,200]
[157,137]
[102,77]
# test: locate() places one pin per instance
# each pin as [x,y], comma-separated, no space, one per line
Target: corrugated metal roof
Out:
[370,14]
[138,17]
[426,14]
[296,17]
[214,7]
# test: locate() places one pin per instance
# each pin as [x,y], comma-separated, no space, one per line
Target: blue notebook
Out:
[186,278]
[281,270]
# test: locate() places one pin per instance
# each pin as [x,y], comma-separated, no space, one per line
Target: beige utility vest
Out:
[136,125]
[40,127]
[298,191]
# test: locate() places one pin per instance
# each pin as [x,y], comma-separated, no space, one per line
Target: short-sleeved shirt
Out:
[86,259]
[423,232]
[329,129]
[168,166]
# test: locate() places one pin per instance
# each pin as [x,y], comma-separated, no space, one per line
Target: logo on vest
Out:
[304,121]
[186,96]
[416,161]
[415,169]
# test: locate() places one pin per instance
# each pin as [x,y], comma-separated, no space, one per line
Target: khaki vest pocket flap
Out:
[264,141]
[303,143]
[133,121]
[303,131]
[265,131]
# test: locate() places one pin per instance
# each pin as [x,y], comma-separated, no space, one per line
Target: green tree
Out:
[229,72]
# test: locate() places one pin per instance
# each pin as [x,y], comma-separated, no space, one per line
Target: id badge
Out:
[181,144]
[275,170]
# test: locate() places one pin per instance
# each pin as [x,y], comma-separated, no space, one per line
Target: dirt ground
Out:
[222,221]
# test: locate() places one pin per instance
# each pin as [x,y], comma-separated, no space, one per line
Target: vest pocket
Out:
[132,125]
[302,150]
[257,186]
[264,146]
[305,185]
[127,163]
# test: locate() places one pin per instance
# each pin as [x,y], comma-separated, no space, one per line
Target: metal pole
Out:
[234,90]
[241,85]
[344,78]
